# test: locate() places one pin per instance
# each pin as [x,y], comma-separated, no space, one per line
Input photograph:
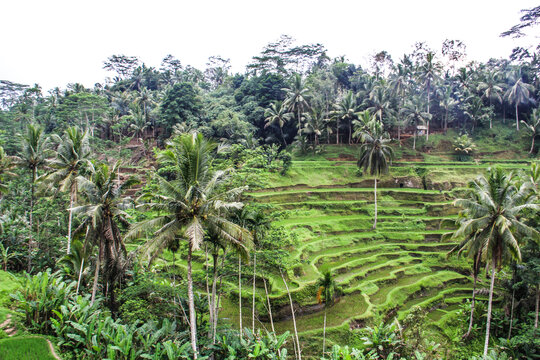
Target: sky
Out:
[57,42]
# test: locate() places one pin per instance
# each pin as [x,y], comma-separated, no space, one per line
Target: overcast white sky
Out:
[56,42]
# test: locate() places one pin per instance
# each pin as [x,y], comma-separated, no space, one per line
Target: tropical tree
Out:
[325,294]
[414,114]
[189,206]
[346,110]
[374,155]
[33,156]
[533,127]
[398,83]
[491,218]
[6,164]
[297,98]
[278,114]
[104,207]
[379,100]
[429,73]
[72,155]
[491,89]
[447,103]
[519,93]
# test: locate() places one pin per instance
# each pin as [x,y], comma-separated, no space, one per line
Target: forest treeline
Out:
[288,94]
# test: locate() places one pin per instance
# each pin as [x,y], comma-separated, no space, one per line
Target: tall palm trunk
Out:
[213,304]
[269,306]
[517,117]
[283,136]
[350,132]
[414,139]
[191,300]
[240,294]
[70,219]
[512,314]
[537,306]
[253,300]
[96,275]
[532,145]
[375,194]
[293,317]
[472,308]
[337,131]
[324,333]
[31,222]
[427,130]
[488,324]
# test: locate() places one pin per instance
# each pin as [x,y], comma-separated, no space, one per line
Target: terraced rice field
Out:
[386,271]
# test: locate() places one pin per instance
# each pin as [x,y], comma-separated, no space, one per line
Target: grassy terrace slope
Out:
[387,271]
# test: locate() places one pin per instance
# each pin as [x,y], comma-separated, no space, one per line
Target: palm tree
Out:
[103,208]
[379,100]
[362,124]
[447,103]
[398,84]
[519,93]
[33,156]
[297,98]
[346,110]
[191,205]
[490,221]
[429,72]
[6,164]
[277,114]
[374,155]
[327,288]
[72,154]
[414,115]
[314,125]
[534,127]
[476,111]
[491,89]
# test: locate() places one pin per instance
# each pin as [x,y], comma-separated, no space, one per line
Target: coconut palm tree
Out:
[190,206]
[491,89]
[374,155]
[519,93]
[346,110]
[490,221]
[414,114]
[327,288]
[447,103]
[33,156]
[429,73]
[533,126]
[278,114]
[297,98]
[399,84]
[101,211]
[6,164]
[379,100]
[72,155]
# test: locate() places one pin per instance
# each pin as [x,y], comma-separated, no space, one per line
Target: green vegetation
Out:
[308,208]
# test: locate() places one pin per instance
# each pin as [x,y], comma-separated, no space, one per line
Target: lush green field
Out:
[27,348]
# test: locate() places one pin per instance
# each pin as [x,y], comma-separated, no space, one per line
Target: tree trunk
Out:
[472,308]
[293,317]
[350,132]
[414,140]
[213,322]
[427,130]
[253,300]
[269,306]
[240,294]
[96,276]
[488,324]
[324,334]
[31,222]
[511,314]
[80,275]
[216,315]
[446,121]
[537,306]
[191,300]
[517,117]
[283,136]
[337,131]
[532,145]
[71,199]
[375,194]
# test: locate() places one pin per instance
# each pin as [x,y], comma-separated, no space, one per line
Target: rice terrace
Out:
[303,206]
